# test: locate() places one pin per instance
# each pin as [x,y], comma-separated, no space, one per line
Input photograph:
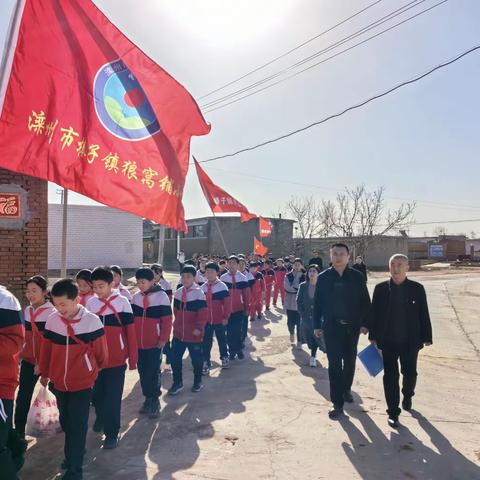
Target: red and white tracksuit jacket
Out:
[190,311]
[35,319]
[122,290]
[11,341]
[153,317]
[280,273]
[257,291]
[73,350]
[84,298]
[269,276]
[239,290]
[115,312]
[218,302]
[200,278]
[166,287]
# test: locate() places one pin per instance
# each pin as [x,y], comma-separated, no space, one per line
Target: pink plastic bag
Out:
[43,418]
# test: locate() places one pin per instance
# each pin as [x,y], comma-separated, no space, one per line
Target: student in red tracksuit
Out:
[160,280]
[190,311]
[269,276]
[239,290]
[257,291]
[115,312]
[153,321]
[117,282]
[218,304]
[36,315]
[11,342]
[280,273]
[85,288]
[74,348]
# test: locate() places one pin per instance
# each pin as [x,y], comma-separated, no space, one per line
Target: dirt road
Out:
[266,417]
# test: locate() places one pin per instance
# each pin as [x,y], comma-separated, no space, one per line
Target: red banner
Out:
[83,107]
[265,227]
[259,248]
[219,200]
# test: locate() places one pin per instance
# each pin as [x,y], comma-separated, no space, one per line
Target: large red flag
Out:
[259,248]
[219,200]
[265,227]
[82,106]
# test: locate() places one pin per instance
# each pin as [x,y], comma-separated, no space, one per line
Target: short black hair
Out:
[212,266]
[65,287]
[39,281]
[268,262]
[157,268]
[298,260]
[254,264]
[315,266]
[189,269]
[222,262]
[116,269]
[234,257]
[102,273]
[340,245]
[144,273]
[84,274]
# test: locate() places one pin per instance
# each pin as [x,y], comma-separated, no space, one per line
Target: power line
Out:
[348,109]
[447,221]
[322,187]
[221,105]
[330,47]
[290,51]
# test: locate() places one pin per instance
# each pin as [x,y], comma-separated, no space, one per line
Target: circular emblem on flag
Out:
[121,104]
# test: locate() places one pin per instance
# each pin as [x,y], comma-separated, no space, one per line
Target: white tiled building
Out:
[96,235]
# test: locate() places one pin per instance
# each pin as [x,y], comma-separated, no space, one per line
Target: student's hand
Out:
[36,370]
[427,344]
[318,332]
[225,322]
[132,366]
[44,381]
[363,330]
[197,332]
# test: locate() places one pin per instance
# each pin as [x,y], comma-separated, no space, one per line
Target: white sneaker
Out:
[299,345]
[292,338]
[313,362]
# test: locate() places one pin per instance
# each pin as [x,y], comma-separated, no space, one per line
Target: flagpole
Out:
[63,271]
[220,233]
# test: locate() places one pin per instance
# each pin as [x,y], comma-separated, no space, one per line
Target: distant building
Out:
[442,248]
[203,237]
[96,235]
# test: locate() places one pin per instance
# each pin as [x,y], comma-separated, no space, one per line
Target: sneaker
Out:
[393,422]
[267,308]
[335,413]
[240,355]
[292,338]
[407,403]
[145,407]
[348,397]
[225,363]
[110,443]
[197,387]
[175,389]
[299,345]
[313,362]
[98,426]
[205,369]
[154,411]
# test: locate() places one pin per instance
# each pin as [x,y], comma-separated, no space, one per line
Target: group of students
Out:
[80,337]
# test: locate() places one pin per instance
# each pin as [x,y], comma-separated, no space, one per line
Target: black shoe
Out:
[110,443]
[348,397]
[407,404]
[267,308]
[240,355]
[97,426]
[335,413]
[197,387]
[154,411]
[393,422]
[175,389]
[145,407]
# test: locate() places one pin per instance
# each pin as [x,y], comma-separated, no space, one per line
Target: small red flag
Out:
[84,107]
[259,248]
[265,227]
[219,200]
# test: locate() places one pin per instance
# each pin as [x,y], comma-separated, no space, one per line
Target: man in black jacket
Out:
[399,325]
[341,306]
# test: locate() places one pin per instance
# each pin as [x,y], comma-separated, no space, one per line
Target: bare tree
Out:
[439,231]
[306,212]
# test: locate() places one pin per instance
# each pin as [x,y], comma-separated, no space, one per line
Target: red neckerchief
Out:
[107,304]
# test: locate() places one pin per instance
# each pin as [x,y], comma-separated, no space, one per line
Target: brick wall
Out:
[23,252]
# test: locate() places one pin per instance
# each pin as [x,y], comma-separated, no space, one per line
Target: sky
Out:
[421,143]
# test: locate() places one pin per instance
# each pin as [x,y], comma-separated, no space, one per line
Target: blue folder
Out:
[372,360]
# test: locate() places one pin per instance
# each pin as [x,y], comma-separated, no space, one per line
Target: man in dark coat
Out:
[399,324]
[316,260]
[360,266]
[341,307]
